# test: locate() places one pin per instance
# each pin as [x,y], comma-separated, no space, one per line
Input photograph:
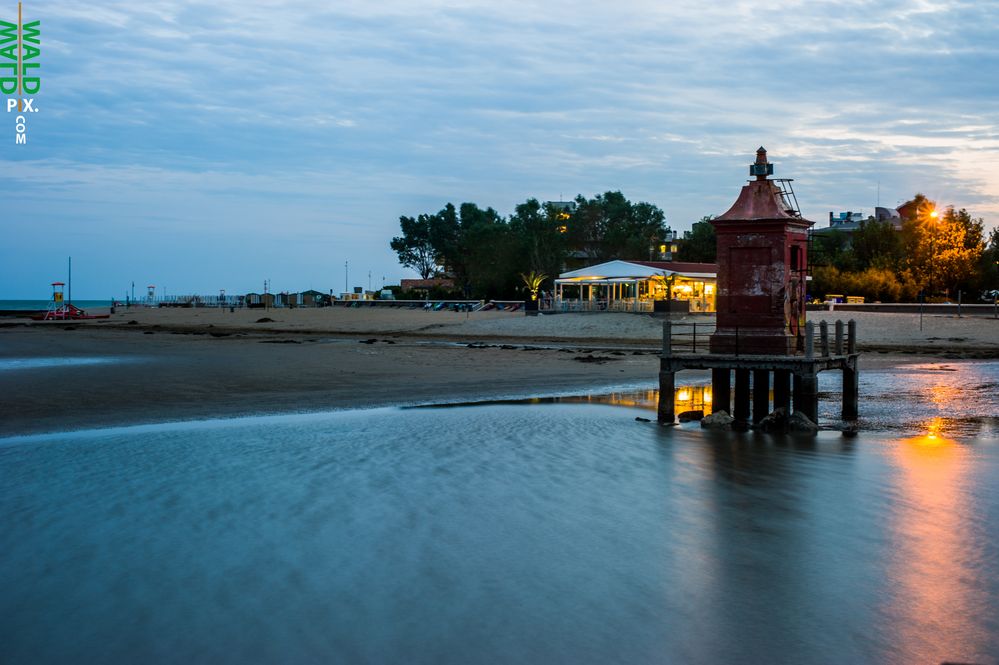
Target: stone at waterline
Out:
[802,424]
[719,420]
[775,422]
[688,416]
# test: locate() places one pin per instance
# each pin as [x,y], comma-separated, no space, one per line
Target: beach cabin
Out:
[313,298]
[636,286]
[259,300]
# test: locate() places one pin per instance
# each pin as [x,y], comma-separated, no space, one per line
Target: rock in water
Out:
[719,420]
[687,416]
[775,422]
[802,424]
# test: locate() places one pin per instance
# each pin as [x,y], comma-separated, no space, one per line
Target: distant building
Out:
[313,298]
[258,300]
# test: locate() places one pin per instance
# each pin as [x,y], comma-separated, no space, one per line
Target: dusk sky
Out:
[200,146]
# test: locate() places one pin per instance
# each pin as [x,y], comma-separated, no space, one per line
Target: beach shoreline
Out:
[196,364]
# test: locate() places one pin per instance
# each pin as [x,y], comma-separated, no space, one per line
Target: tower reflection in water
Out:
[688,398]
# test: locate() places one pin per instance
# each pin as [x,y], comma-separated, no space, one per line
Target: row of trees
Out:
[485,253]
[936,253]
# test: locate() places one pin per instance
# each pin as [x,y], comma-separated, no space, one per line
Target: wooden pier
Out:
[792,378]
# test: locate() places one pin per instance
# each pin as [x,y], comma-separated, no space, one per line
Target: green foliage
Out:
[538,232]
[609,226]
[833,249]
[988,264]
[943,251]
[876,244]
[874,284]
[533,282]
[414,247]
[484,253]
[699,243]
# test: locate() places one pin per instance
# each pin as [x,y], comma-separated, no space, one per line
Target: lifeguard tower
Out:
[150,294]
[57,308]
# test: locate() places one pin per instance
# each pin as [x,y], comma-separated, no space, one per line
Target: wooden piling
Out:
[667,389]
[721,390]
[809,391]
[741,412]
[782,389]
[851,391]
[761,394]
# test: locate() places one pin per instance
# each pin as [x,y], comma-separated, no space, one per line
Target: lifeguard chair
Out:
[57,308]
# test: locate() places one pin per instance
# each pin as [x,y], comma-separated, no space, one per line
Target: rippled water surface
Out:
[507,533]
[8,364]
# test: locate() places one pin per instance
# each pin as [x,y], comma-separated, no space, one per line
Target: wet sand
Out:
[194,364]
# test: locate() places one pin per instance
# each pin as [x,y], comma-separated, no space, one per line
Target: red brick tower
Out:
[762,264]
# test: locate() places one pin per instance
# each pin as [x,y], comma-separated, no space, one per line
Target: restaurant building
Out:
[636,286]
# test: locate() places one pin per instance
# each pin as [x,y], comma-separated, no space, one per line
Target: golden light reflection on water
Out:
[687,398]
[935,592]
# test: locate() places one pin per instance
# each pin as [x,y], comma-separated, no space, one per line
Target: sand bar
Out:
[189,363]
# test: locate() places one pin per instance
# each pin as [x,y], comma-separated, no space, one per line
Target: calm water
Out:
[43,304]
[560,532]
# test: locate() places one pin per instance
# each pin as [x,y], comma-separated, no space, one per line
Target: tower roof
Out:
[761,198]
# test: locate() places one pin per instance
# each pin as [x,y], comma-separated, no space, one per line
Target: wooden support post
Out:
[721,390]
[741,413]
[851,338]
[667,338]
[808,404]
[824,339]
[851,391]
[782,389]
[796,390]
[839,338]
[810,339]
[761,394]
[667,399]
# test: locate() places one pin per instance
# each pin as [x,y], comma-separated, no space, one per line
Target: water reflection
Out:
[690,397]
[935,603]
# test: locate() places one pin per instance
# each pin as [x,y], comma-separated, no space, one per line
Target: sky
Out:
[205,146]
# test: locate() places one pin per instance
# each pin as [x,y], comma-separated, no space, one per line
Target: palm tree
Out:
[533,280]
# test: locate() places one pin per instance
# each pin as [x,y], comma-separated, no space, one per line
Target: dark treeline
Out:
[936,253]
[485,254]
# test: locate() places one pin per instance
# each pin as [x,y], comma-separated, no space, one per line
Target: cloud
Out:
[359,111]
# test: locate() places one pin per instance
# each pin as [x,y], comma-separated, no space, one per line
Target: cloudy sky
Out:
[208,145]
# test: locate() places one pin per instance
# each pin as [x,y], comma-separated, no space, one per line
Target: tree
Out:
[943,250]
[832,249]
[876,244]
[609,226]
[541,231]
[533,282]
[700,245]
[414,247]
[988,264]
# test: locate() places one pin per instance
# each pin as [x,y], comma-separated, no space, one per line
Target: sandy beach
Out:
[150,365]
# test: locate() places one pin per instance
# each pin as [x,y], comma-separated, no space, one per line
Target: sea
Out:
[34,305]
[559,530]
